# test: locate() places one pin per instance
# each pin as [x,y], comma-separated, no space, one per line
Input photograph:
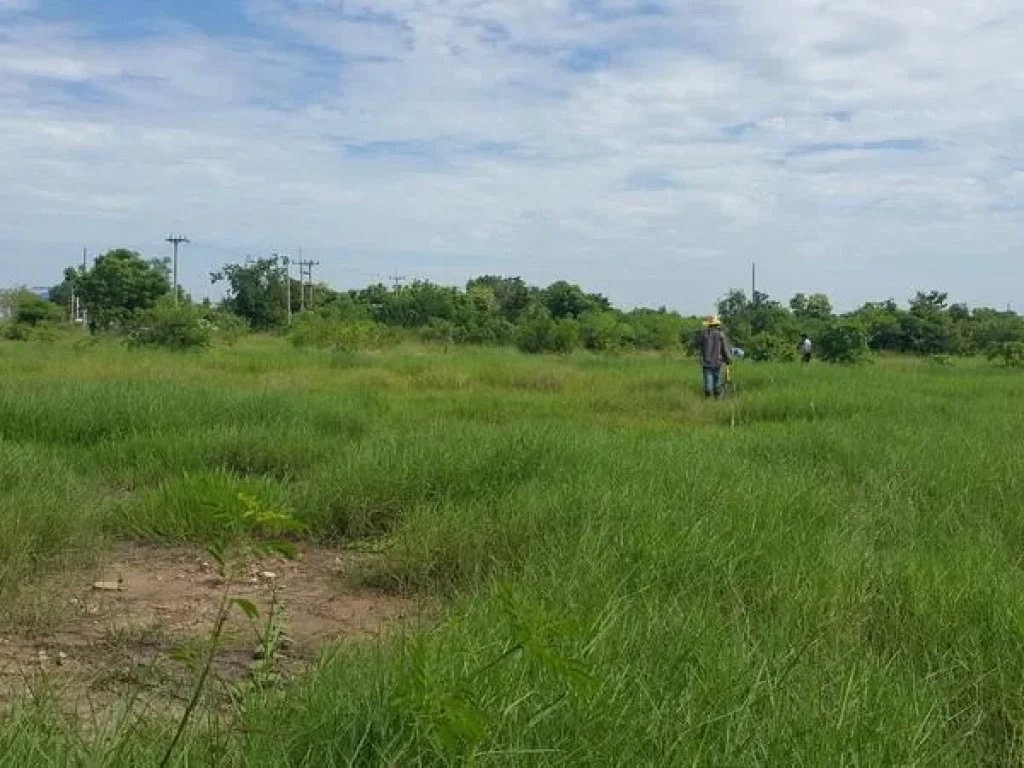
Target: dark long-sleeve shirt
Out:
[713,348]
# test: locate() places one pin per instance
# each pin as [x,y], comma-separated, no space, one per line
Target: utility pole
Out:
[176,240]
[397,280]
[77,313]
[753,282]
[288,285]
[306,274]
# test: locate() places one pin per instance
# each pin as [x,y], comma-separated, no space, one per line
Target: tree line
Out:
[124,293]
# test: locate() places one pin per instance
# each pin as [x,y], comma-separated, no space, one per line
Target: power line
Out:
[176,240]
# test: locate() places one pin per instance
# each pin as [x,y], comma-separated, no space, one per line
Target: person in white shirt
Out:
[805,348]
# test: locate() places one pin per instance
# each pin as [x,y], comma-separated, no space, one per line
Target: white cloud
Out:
[860,147]
[16,6]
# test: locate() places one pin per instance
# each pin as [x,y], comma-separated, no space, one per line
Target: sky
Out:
[647,149]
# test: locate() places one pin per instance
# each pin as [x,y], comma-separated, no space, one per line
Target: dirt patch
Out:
[122,626]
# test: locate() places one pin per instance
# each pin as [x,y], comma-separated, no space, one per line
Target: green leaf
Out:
[247,607]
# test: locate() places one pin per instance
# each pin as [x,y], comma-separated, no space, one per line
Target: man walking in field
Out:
[805,348]
[714,353]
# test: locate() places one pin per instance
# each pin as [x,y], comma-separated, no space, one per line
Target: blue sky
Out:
[646,149]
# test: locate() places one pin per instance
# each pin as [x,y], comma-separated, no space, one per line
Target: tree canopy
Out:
[120,283]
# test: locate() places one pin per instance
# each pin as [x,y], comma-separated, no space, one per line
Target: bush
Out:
[225,326]
[440,330]
[770,347]
[535,330]
[605,332]
[335,333]
[169,327]
[844,341]
[1011,353]
[565,336]
[17,332]
[28,309]
[657,330]
[539,332]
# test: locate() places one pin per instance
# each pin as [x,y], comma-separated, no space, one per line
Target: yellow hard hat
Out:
[712,320]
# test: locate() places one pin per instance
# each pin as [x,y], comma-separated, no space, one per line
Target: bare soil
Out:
[121,628]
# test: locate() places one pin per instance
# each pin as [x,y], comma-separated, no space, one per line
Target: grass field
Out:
[823,569]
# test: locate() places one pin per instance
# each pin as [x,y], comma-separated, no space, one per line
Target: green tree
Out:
[28,309]
[814,307]
[990,329]
[512,293]
[769,316]
[960,313]
[844,341]
[883,322]
[564,299]
[734,309]
[118,285]
[257,292]
[345,305]
[928,303]
[656,329]
[605,331]
[479,318]
[565,336]
[413,306]
[61,294]
[535,330]
[768,347]
[928,328]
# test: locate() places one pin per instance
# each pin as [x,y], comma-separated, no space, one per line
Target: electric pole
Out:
[288,285]
[176,240]
[397,280]
[77,312]
[753,282]
[306,274]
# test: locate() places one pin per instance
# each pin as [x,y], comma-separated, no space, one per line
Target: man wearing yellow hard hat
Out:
[714,353]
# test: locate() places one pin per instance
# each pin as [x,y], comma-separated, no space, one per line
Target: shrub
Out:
[335,333]
[657,330]
[1011,353]
[535,330]
[17,332]
[565,336]
[225,325]
[843,341]
[539,332]
[440,330]
[47,332]
[169,327]
[604,332]
[28,309]
[770,347]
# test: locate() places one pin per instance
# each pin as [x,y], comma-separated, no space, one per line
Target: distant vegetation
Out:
[124,293]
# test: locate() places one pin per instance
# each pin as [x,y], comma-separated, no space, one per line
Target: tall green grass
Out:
[822,569]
